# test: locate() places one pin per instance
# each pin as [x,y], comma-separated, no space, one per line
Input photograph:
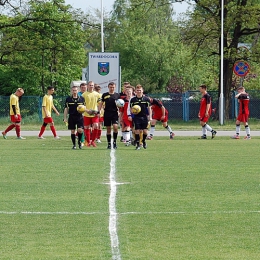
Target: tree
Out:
[42,46]
[202,31]
[146,37]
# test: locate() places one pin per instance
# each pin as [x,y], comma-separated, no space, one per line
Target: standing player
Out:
[91,119]
[205,112]
[243,99]
[75,118]
[110,113]
[83,88]
[160,113]
[121,121]
[15,114]
[124,116]
[141,119]
[47,107]
[101,115]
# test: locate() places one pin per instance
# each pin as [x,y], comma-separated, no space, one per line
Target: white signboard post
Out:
[103,67]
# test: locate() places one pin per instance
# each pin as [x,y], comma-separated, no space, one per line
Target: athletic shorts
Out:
[48,120]
[110,119]
[90,120]
[243,117]
[101,119]
[16,120]
[127,123]
[75,122]
[140,123]
[204,118]
[158,118]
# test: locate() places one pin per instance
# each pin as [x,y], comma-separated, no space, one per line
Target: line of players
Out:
[151,110]
[107,114]
[101,109]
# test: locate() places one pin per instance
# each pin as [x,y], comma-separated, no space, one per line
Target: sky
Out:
[108,4]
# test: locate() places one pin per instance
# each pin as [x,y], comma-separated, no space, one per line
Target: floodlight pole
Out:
[102,25]
[221,97]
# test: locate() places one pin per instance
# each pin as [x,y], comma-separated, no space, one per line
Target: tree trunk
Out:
[227,86]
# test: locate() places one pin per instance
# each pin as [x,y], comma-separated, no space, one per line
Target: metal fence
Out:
[183,106]
[186,106]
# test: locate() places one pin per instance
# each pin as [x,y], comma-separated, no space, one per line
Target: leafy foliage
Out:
[45,49]
[202,32]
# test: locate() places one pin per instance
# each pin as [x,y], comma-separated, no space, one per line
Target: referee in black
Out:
[75,120]
[142,119]
[111,113]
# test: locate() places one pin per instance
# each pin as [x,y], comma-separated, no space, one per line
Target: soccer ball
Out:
[120,102]
[135,109]
[81,109]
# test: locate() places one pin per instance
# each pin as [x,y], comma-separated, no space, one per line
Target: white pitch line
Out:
[128,213]
[112,209]
[48,213]
[190,213]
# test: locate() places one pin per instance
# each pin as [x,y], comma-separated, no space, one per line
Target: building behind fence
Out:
[183,106]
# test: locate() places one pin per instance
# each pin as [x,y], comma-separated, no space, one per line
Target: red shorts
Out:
[159,116]
[101,119]
[242,117]
[48,120]
[16,120]
[90,120]
[127,123]
[204,119]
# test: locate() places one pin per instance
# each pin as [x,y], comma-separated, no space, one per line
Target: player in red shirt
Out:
[205,112]
[160,113]
[127,124]
[123,96]
[243,99]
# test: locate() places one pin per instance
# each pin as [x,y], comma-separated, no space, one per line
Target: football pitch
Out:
[178,199]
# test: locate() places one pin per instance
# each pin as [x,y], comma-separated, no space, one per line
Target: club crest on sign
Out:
[103,68]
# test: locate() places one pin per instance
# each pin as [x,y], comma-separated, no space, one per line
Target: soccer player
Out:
[243,99]
[15,114]
[141,119]
[124,116]
[110,113]
[159,113]
[91,119]
[47,107]
[101,115]
[75,120]
[83,88]
[205,112]
[122,96]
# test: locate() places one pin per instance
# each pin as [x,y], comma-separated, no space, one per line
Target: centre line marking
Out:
[112,209]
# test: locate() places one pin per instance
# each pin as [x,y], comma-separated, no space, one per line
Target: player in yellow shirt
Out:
[91,120]
[15,114]
[47,107]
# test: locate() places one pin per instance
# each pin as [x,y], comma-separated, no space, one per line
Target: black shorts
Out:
[110,119]
[75,122]
[140,123]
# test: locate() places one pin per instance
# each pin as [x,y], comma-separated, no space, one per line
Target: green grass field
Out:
[181,199]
